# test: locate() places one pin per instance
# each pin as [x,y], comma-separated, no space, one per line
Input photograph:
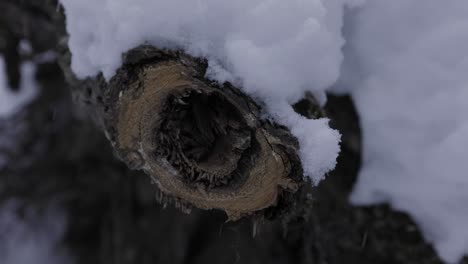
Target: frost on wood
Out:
[411,94]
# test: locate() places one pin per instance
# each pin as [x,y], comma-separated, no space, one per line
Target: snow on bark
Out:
[274,50]
[409,61]
[12,101]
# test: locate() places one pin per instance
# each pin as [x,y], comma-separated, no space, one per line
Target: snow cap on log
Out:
[202,144]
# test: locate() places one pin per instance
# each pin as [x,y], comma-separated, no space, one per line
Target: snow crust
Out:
[407,65]
[32,238]
[11,102]
[274,49]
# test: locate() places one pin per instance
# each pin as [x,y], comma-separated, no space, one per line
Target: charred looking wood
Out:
[203,144]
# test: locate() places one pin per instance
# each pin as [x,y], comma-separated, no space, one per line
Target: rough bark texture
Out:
[203,144]
[59,157]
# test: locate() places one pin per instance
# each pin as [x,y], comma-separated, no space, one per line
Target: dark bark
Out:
[202,144]
[60,157]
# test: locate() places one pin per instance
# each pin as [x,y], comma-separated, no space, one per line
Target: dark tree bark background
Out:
[61,157]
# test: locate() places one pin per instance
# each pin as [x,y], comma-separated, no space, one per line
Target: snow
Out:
[406,65]
[10,101]
[32,238]
[274,49]
[315,136]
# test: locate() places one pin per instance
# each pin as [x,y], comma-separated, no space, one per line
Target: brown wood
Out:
[203,144]
[56,157]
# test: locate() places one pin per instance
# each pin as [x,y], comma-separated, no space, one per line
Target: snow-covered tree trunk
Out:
[159,112]
[57,156]
[203,144]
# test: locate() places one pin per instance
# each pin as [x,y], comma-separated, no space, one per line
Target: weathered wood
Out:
[112,214]
[203,144]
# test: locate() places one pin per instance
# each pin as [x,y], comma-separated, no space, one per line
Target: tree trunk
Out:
[153,115]
[202,144]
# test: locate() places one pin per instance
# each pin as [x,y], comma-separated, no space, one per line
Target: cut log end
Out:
[203,144]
